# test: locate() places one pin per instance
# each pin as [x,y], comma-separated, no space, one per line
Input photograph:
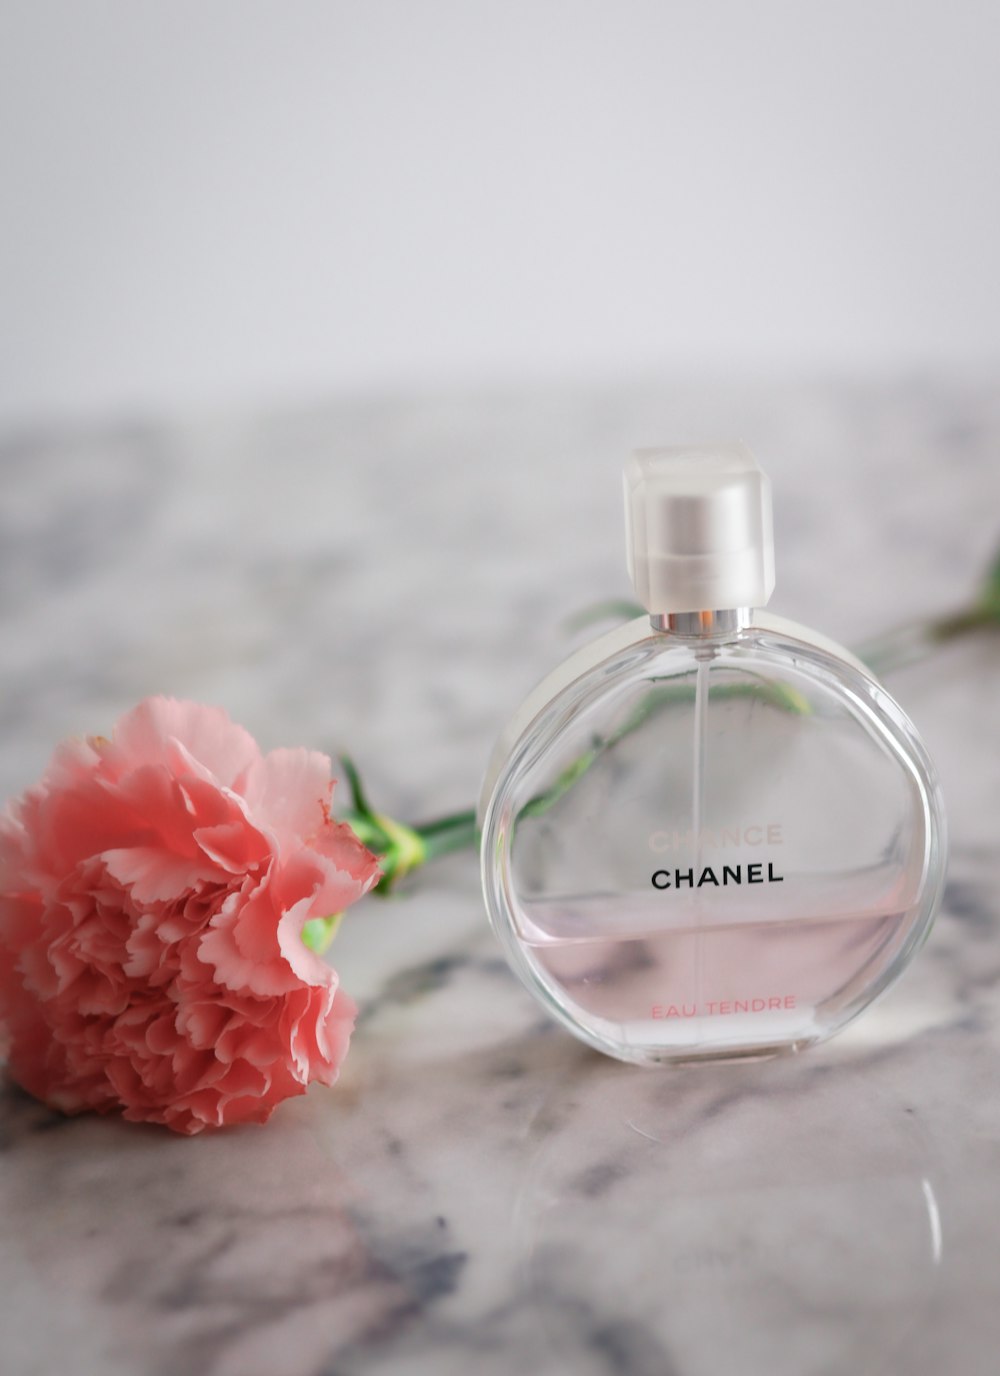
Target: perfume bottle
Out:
[711,833]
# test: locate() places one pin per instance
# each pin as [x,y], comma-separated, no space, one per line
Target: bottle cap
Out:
[698,528]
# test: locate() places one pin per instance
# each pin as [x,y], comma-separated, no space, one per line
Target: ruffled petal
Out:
[153,891]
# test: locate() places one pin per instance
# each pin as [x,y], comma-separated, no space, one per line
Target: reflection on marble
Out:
[479,1192]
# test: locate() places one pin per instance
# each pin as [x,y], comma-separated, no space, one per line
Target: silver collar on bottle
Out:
[698,625]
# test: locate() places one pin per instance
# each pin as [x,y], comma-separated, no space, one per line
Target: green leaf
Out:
[318,932]
[359,801]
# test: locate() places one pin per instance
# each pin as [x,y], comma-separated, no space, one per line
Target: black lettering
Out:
[732,872]
[661,879]
[754,875]
[774,878]
[707,876]
[683,877]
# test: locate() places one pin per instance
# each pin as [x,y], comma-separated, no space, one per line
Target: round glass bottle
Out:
[712,833]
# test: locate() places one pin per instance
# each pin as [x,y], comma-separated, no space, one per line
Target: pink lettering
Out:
[725,1007]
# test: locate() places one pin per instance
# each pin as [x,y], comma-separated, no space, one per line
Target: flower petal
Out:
[143,736]
[290,791]
[153,891]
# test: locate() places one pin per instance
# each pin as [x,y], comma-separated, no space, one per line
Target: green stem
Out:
[910,644]
[403,848]
[448,834]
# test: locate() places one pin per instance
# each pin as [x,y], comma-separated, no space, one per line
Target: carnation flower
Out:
[154,889]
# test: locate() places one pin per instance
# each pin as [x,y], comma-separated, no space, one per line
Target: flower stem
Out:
[448,834]
[402,848]
[911,643]
[914,642]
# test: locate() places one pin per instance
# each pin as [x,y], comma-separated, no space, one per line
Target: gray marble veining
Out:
[479,1192]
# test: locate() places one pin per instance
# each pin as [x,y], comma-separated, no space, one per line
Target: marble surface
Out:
[479,1192]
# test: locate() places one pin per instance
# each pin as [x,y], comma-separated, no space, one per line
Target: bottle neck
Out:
[703,625]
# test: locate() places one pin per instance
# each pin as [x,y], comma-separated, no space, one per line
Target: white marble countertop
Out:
[479,1192]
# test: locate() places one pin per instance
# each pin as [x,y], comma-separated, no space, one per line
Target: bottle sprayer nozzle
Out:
[698,528]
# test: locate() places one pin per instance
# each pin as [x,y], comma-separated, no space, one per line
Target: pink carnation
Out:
[153,891]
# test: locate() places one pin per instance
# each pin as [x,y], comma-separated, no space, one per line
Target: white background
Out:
[218,201]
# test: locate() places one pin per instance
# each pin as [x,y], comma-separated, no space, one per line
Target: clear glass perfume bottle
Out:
[712,833]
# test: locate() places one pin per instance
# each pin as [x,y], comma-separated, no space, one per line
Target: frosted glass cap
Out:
[698,528]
